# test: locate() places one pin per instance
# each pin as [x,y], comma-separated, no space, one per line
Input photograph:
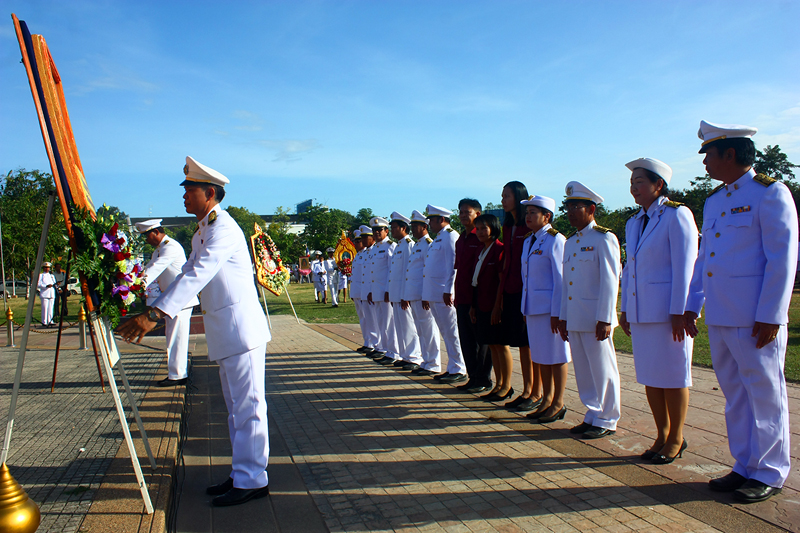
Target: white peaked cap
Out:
[438,211]
[198,173]
[709,132]
[401,218]
[329,249]
[147,225]
[46,264]
[653,165]
[541,201]
[578,191]
[357,234]
[378,222]
[317,252]
[365,230]
[416,216]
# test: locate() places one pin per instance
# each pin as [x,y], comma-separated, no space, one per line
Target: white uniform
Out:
[330,274]
[744,273]
[164,266]
[542,263]
[427,332]
[439,276]
[588,296]
[355,295]
[407,339]
[236,333]
[47,295]
[655,285]
[379,260]
[320,277]
[373,335]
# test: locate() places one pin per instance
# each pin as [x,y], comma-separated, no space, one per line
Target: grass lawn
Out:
[307,309]
[19,306]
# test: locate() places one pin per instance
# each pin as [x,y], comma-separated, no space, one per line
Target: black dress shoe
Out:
[364,349]
[755,491]
[377,354]
[237,496]
[453,378]
[424,372]
[661,459]
[386,361]
[400,362]
[222,488]
[595,432]
[728,483]
[515,402]
[648,455]
[580,428]
[476,389]
[547,419]
[166,382]
[410,366]
[440,376]
[528,405]
[468,385]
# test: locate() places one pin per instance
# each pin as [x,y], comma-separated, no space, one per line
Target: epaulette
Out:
[601,229]
[717,188]
[448,229]
[428,239]
[571,233]
[528,234]
[676,205]
[212,217]
[552,231]
[764,180]
[408,239]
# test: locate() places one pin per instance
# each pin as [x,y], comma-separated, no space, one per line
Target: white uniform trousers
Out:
[756,404]
[177,333]
[597,376]
[428,335]
[373,334]
[242,378]
[447,323]
[362,321]
[334,290]
[384,324]
[47,310]
[407,340]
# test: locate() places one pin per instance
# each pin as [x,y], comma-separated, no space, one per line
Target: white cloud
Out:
[289,150]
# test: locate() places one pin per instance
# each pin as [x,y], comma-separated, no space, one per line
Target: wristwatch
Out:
[153,314]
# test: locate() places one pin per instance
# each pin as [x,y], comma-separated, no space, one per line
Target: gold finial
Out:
[18,513]
[9,314]
[82,315]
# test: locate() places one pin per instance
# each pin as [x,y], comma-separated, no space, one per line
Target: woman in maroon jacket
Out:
[508,304]
[485,281]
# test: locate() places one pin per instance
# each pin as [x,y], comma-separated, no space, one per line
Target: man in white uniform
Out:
[588,313]
[330,277]
[320,278]
[438,284]
[427,331]
[368,328]
[47,294]
[380,259]
[744,273]
[355,288]
[164,266]
[407,340]
[236,328]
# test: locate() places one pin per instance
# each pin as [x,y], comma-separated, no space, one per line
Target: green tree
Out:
[287,243]
[324,226]
[362,217]
[774,164]
[246,219]
[183,235]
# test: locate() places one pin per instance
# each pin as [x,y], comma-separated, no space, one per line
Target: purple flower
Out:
[109,243]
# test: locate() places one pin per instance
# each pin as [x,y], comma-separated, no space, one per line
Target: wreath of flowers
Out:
[109,260]
[271,273]
[345,266]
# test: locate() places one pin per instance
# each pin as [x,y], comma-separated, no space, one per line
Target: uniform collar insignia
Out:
[212,217]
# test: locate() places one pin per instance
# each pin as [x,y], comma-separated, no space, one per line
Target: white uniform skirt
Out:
[660,361]
[547,348]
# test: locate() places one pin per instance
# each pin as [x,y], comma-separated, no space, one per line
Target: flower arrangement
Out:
[270,272]
[345,266]
[109,260]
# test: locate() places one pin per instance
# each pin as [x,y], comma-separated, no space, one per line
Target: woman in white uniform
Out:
[542,263]
[661,246]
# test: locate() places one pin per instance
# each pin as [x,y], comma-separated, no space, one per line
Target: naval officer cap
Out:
[578,191]
[197,173]
[317,252]
[434,211]
[147,225]
[541,201]
[357,234]
[653,165]
[329,249]
[46,264]
[365,230]
[400,218]
[416,216]
[378,222]
[709,133]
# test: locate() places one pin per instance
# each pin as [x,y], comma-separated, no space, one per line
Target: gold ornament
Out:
[18,513]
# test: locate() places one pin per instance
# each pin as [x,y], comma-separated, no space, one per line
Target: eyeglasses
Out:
[575,207]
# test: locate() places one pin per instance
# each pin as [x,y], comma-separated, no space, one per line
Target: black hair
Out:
[744,147]
[219,191]
[400,223]
[491,222]
[653,177]
[470,202]
[520,193]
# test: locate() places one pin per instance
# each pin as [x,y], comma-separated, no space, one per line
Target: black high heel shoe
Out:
[547,419]
[648,455]
[660,459]
[488,397]
[496,396]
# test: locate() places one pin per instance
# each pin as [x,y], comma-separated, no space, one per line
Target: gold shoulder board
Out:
[601,229]
[448,229]
[428,239]
[212,217]
[573,232]
[717,188]
[676,205]
[528,234]
[764,180]
[552,231]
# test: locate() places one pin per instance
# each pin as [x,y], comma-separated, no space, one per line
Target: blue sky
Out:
[396,104]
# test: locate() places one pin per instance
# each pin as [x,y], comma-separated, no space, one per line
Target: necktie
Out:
[646,220]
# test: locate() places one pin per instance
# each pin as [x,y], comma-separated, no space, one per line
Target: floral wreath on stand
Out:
[270,272]
[344,254]
[110,263]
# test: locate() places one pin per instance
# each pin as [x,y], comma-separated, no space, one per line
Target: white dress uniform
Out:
[47,295]
[407,339]
[589,295]
[358,296]
[439,276]
[379,260]
[320,278]
[542,263]
[427,332]
[236,333]
[369,309]
[655,285]
[164,266]
[744,273]
[330,273]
